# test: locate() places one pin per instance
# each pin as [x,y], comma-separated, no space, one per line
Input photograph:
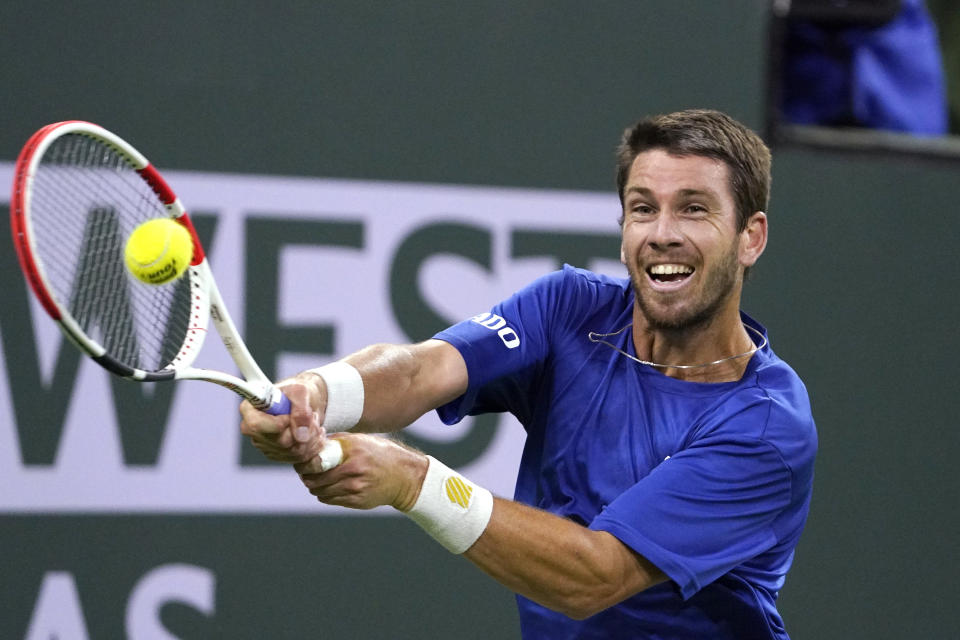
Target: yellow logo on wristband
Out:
[458,491]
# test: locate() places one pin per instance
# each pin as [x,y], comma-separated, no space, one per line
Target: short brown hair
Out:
[712,134]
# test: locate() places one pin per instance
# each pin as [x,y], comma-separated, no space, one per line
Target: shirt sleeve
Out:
[503,349]
[704,510]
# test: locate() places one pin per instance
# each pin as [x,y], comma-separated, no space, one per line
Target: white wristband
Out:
[451,508]
[344,395]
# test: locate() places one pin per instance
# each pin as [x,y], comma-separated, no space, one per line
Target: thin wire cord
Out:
[596,338]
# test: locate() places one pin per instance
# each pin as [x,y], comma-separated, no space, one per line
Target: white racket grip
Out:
[331,455]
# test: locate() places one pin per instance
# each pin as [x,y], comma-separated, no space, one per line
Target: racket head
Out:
[79,191]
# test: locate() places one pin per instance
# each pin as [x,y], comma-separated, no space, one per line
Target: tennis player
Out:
[668,465]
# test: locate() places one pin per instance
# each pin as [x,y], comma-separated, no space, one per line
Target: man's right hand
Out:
[293,438]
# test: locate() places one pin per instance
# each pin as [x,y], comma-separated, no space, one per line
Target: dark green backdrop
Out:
[858,286]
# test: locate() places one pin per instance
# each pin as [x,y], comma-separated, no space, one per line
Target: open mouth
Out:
[670,274]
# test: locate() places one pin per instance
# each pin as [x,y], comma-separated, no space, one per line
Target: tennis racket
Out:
[78,192]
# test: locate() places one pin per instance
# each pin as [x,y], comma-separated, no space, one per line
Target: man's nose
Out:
[665,231]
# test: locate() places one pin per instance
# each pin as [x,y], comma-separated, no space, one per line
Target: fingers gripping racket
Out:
[79,191]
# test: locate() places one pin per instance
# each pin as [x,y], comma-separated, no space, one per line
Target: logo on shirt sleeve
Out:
[494,322]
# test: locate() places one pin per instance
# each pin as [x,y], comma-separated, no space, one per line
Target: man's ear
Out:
[753,239]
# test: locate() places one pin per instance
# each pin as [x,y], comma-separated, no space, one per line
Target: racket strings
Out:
[86,200]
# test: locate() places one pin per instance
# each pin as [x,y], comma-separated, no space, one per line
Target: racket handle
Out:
[280,406]
[331,455]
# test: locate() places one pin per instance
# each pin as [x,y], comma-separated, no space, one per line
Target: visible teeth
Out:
[669,269]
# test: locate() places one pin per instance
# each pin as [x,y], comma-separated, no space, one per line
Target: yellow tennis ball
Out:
[159,251]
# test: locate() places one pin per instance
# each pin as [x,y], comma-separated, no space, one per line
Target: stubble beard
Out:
[715,292]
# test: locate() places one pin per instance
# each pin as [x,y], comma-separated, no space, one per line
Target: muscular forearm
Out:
[551,560]
[548,559]
[559,563]
[402,382]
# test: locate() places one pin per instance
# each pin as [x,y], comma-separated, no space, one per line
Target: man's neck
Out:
[716,341]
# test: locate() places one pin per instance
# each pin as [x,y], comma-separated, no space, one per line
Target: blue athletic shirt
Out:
[709,481]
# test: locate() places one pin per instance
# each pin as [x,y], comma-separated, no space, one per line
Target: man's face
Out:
[680,244]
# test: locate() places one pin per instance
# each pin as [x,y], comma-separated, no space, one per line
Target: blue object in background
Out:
[888,76]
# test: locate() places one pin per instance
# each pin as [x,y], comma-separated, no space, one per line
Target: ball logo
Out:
[458,491]
[166,272]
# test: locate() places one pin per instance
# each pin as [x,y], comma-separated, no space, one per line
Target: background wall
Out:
[945,14]
[857,287]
